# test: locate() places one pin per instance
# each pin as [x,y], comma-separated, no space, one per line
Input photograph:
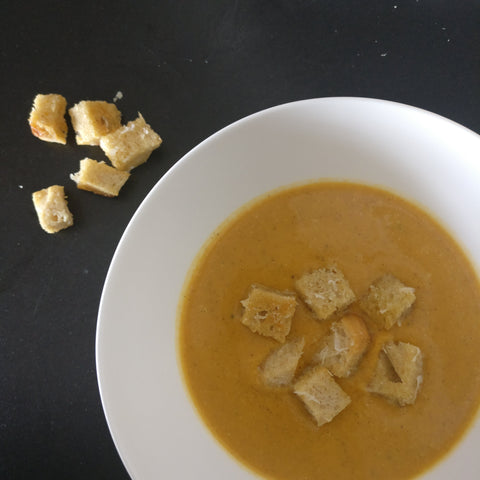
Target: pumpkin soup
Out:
[371,236]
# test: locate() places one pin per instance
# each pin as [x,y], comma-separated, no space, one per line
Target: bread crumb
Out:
[52,210]
[47,118]
[269,312]
[280,365]
[130,145]
[99,178]
[322,396]
[326,291]
[118,96]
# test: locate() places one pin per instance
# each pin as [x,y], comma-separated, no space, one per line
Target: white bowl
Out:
[419,155]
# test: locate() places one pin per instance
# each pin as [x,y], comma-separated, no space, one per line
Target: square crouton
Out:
[280,365]
[131,145]
[92,119]
[398,373]
[322,396]
[344,347]
[269,312]
[325,291]
[47,118]
[387,301]
[52,210]
[100,178]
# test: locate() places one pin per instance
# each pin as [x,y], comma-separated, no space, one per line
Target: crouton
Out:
[47,118]
[322,396]
[99,178]
[269,312]
[94,119]
[52,210]
[280,365]
[387,301]
[325,291]
[130,145]
[398,373]
[343,348]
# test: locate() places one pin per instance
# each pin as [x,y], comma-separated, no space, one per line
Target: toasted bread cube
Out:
[269,312]
[322,396]
[130,145]
[399,373]
[325,291]
[280,365]
[47,118]
[52,210]
[99,178]
[344,347]
[92,119]
[388,300]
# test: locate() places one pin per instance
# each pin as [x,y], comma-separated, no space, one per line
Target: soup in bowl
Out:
[362,188]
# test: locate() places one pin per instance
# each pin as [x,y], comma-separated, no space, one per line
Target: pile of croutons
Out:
[399,369]
[95,123]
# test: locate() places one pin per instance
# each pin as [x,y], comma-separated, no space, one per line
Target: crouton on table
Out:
[47,118]
[131,145]
[92,119]
[99,178]
[52,209]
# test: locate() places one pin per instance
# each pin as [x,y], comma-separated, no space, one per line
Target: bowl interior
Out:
[418,155]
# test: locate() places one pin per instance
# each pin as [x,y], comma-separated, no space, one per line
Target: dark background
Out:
[191,67]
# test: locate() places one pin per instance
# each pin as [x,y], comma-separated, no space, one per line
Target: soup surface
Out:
[367,233]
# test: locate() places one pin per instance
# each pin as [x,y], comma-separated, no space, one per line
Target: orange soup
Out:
[367,233]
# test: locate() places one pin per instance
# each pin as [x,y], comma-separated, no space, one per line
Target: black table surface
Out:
[190,67]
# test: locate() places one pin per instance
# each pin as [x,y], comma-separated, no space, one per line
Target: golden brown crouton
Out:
[387,301]
[100,178]
[399,373]
[94,119]
[343,348]
[269,312]
[322,396]
[280,365]
[52,210]
[325,291]
[131,145]
[47,118]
